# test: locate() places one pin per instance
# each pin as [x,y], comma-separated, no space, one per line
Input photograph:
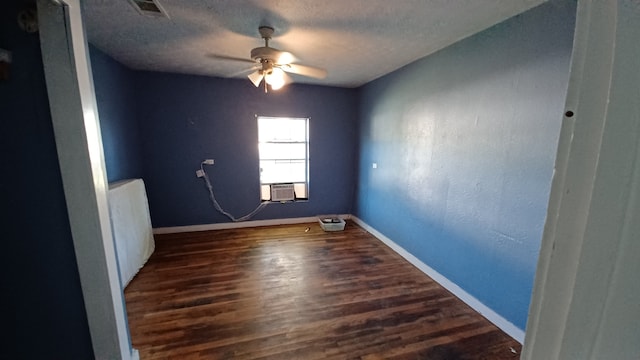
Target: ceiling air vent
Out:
[149,8]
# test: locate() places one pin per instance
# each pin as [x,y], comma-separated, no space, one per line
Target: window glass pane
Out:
[265,192]
[282,171]
[301,190]
[283,151]
[281,129]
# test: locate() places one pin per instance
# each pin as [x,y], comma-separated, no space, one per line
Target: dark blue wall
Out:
[186,119]
[465,142]
[118,122]
[43,311]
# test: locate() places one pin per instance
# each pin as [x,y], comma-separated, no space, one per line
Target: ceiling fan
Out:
[271,64]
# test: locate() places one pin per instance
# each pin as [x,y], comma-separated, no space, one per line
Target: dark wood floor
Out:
[285,293]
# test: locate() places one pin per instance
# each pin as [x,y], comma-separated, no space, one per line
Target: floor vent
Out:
[149,8]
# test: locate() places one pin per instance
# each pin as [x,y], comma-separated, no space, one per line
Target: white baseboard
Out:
[502,323]
[238,225]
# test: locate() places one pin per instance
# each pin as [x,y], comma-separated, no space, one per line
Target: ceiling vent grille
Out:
[149,8]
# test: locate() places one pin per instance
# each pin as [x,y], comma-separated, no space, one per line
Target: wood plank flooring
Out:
[285,293]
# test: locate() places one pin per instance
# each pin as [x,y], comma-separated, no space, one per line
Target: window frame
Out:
[265,186]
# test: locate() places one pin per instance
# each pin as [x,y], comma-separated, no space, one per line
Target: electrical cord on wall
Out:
[217,206]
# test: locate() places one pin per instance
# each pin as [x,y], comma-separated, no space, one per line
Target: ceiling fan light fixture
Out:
[285,58]
[275,78]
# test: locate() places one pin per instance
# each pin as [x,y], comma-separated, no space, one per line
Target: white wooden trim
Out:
[566,214]
[238,225]
[477,305]
[584,302]
[79,145]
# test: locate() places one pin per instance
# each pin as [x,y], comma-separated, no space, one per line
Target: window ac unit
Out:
[282,192]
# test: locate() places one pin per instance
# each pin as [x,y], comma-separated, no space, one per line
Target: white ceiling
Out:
[355,40]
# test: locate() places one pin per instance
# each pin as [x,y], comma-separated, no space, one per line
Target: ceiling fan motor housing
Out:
[265,53]
[267,67]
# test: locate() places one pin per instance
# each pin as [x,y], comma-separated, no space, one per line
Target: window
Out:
[283,145]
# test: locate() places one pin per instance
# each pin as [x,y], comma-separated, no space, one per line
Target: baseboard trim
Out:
[504,324]
[238,225]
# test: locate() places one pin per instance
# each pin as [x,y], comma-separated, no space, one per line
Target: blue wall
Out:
[465,142]
[118,122]
[186,119]
[43,313]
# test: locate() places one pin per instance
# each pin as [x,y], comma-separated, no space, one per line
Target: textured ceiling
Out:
[355,40]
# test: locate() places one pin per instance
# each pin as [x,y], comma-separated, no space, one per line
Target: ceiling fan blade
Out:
[304,70]
[243,71]
[230,58]
[256,78]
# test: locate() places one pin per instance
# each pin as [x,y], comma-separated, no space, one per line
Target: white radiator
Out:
[131,225]
[282,192]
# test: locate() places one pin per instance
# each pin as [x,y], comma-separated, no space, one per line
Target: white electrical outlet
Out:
[199,173]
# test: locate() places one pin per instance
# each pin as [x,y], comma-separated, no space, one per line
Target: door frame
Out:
[76,125]
[586,289]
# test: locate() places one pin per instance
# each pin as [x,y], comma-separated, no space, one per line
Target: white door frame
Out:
[79,145]
[584,303]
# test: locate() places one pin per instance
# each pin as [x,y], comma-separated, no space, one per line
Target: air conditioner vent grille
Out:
[149,8]
[282,192]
